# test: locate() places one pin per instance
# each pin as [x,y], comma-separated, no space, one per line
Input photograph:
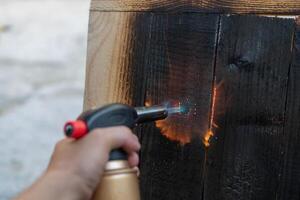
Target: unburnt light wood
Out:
[288,7]
[113,72]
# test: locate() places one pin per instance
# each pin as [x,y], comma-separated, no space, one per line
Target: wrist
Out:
[68,184]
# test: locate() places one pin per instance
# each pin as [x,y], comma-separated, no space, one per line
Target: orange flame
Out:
[207,137]
[210,132]
[171,127]
[172,133]
[175,129]
[216,110]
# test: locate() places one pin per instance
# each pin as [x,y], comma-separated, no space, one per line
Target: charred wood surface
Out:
[180,67]
[252,70]
[290,173]
[253,65]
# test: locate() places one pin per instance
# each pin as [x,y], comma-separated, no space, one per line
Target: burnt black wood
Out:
[180,58]
[290,176]
[247,154]
[254,154]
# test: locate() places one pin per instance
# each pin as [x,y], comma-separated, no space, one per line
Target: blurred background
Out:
[42,66]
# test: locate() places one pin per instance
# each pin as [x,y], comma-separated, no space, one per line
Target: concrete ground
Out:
[42,64]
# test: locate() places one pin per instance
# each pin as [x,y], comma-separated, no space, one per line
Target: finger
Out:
[136,138]
[137,170]
[117,137]
[133,159]
[131,144]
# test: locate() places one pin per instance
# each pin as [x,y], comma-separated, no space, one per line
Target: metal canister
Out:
[119,182]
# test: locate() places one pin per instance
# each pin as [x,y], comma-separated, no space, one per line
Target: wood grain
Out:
[180,66]
[290,176]
[138,57]
[289,7]
[246,155]
[113,72]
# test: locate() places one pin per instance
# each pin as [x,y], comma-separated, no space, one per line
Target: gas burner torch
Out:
[119,182]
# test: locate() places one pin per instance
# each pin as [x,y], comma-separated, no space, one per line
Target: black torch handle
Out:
[109,116]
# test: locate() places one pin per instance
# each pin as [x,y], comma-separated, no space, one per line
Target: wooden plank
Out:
[138,57]
[180,66]
[290,179]
[115,59]
[287,7]
[246,155]
[134,57]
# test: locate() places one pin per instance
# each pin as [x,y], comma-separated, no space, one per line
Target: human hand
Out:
[76,166]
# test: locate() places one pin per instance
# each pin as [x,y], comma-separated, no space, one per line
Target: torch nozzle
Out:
[154,113]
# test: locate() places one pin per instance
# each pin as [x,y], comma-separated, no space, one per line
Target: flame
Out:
[171,127]
[212,124]
[213,107]
[175,129]
[171,132]
[147,104]
[207,137]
